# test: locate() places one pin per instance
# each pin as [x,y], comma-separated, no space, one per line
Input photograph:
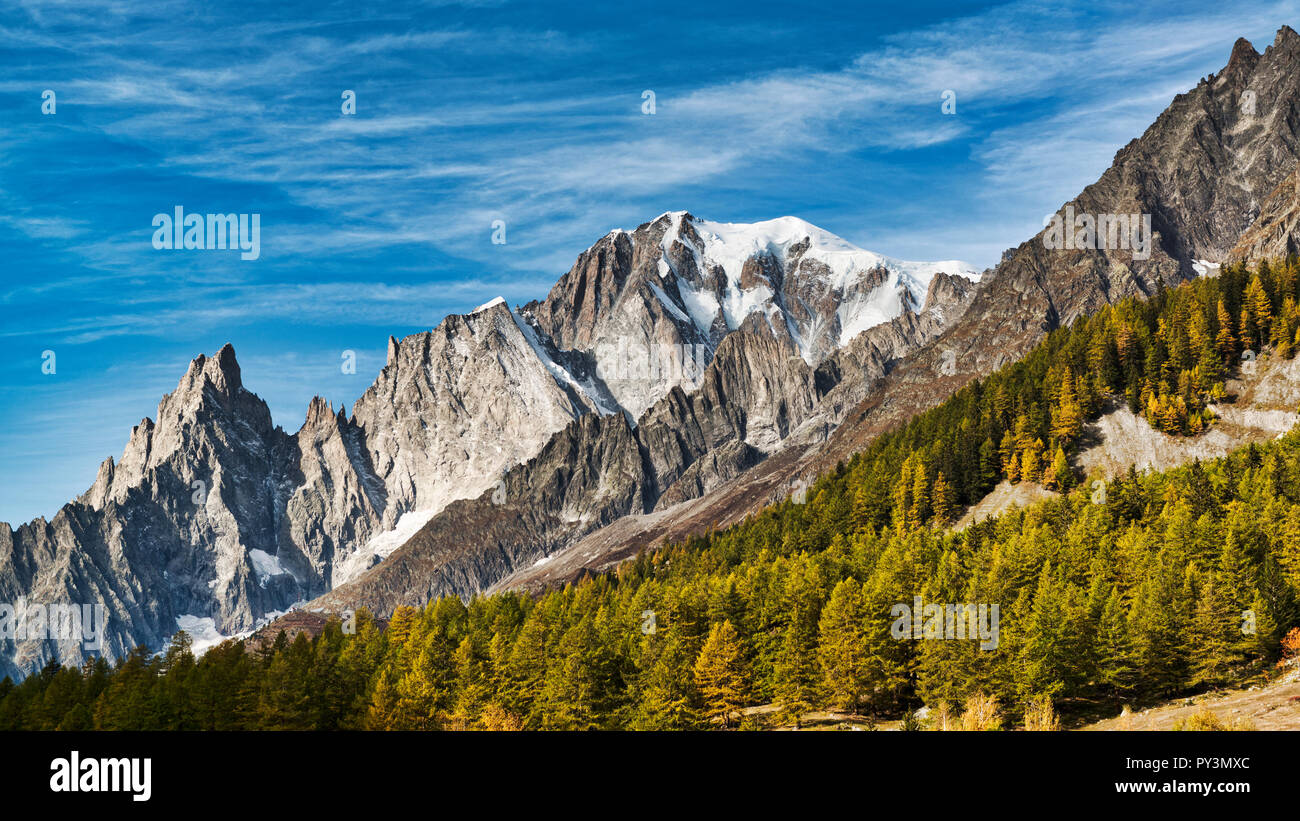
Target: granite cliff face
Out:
[513,430]
[454,408]
[183,524]
[215,520]
[682,284]
[756,396]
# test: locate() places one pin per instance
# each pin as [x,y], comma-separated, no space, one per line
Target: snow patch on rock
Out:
[202,630]
[828,267]
[490,304]
[380,547]
[266,566]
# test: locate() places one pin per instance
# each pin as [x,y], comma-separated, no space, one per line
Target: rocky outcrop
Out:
[214,516]
[1275,233]
[451,411]
[185,523]
[660,299]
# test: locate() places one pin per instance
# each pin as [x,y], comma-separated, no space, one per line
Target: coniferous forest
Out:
[1129,596]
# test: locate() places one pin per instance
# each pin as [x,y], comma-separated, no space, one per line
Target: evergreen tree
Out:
[720,675]
[941,500]
[842,647]
[1117,670]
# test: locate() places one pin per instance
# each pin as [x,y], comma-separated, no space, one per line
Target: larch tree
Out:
[720,674]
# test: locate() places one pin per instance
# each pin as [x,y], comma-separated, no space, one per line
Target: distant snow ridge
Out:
[862,289]
[730,244]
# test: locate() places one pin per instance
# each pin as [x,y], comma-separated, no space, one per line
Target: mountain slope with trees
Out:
[1137,596]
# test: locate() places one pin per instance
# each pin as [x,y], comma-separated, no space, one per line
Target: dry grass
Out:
[982,713]
[1040,716]
[1207,719]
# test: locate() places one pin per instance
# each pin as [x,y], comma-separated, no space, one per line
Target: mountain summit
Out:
[685,282]
[217,520]
[1209,173]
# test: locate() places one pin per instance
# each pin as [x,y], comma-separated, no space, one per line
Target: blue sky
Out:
[466,113]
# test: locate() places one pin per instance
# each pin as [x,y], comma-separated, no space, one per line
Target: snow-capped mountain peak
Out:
[226,519]
[809,284]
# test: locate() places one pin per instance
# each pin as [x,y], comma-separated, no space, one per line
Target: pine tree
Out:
[1236,571]
[1116,658]
[920,497]
[842,647]
[863,507]
[1046,656]
[286,691]
[1007,450]
[668,698]
[1059,476]
[720,674]
[1260,311]
[1159,626]
[796,668]
[941,500]
[1029,462]
[1067,415]
[525,672]
[1212,645]
[902,497]
[990,467]
[472,683]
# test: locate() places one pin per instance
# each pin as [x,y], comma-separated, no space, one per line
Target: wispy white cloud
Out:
[158,312]
[382,220]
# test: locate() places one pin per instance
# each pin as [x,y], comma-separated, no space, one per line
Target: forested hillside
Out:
[1137,593]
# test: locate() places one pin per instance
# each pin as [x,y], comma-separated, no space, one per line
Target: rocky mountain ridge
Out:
[216,519]
[1201,170]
